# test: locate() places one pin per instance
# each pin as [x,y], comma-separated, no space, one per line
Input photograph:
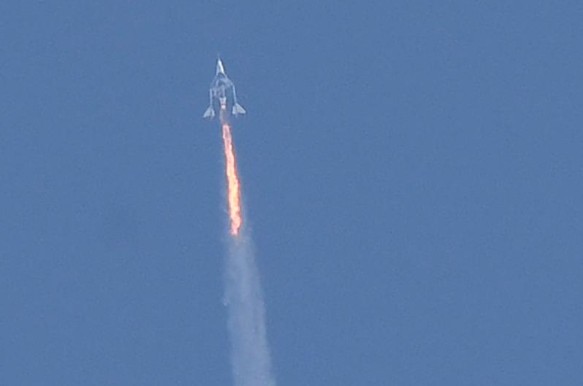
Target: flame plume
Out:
[233,184]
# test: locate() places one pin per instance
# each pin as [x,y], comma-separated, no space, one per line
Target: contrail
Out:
[250,351]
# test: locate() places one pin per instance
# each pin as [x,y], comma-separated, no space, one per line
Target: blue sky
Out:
[411,170]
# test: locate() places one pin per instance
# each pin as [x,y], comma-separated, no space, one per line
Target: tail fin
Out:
[209,113]
[238,109]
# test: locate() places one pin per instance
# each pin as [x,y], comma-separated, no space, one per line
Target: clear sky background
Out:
[413,174]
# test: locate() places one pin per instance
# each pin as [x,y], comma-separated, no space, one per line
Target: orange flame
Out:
[233,184]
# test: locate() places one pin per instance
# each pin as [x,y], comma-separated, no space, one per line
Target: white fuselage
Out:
[223,100]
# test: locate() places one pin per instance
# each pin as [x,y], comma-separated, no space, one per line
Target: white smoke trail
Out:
[250,351]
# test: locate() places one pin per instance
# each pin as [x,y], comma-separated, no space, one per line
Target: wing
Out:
[238,109]
[209,113]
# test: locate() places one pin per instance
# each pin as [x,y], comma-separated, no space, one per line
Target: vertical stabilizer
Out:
[220,68]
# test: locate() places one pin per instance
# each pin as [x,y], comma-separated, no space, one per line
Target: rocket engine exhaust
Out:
[243,296]
[233,185]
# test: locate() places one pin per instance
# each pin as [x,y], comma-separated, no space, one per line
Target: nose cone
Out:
[220,68]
